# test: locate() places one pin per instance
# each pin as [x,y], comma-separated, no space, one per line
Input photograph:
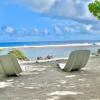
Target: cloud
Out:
[45,31]
[63,8]
[57,29]
[76,10]
[92,29]
[76,27]
[35,31]
[7,29]
[69,29]
[36,5]
[89,27]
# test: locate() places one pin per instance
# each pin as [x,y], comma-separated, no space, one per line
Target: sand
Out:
[44,81]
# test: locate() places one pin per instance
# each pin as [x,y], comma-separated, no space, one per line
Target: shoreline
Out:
[52,59]
[44,60]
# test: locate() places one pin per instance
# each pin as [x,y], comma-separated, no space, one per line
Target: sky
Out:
[47,20]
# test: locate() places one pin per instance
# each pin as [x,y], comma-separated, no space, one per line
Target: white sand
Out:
[64,93]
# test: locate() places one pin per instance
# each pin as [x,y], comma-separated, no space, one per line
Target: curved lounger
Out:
[2,73]
[77,60]
[9,65]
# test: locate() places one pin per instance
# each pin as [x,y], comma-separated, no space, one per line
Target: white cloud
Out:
[8,29]
[35,31]
[57,29]
[69,29]
[45,31]
[89,27]
[71,8]
[92,29]
[63,8]
[36,5]
[76,9]
[76,27]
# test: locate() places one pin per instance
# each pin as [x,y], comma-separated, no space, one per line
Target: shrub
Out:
[1,49]
[18,54]
[94,8]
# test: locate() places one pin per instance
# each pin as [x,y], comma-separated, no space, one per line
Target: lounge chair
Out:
[2,73]
[77,60]
[10,65]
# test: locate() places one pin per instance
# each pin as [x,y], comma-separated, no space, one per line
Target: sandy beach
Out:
[45,81]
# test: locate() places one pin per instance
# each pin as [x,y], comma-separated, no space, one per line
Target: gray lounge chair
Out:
[10,65]
[77,60]
[2,73]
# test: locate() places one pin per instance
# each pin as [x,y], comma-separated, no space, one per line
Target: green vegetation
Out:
[1,49]
[18,54]
[94,8]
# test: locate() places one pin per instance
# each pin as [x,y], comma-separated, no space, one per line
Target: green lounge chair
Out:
[10,65]
[77,60]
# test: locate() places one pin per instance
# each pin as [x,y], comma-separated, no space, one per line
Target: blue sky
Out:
[47,20]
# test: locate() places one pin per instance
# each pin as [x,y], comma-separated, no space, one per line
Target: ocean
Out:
[44,48]
[11,44]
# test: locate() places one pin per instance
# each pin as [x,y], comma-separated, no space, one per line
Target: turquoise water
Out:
[32,53]
[35,43]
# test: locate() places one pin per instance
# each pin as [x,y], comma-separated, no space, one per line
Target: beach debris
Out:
[49,57]
[44,58]
[40,58]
